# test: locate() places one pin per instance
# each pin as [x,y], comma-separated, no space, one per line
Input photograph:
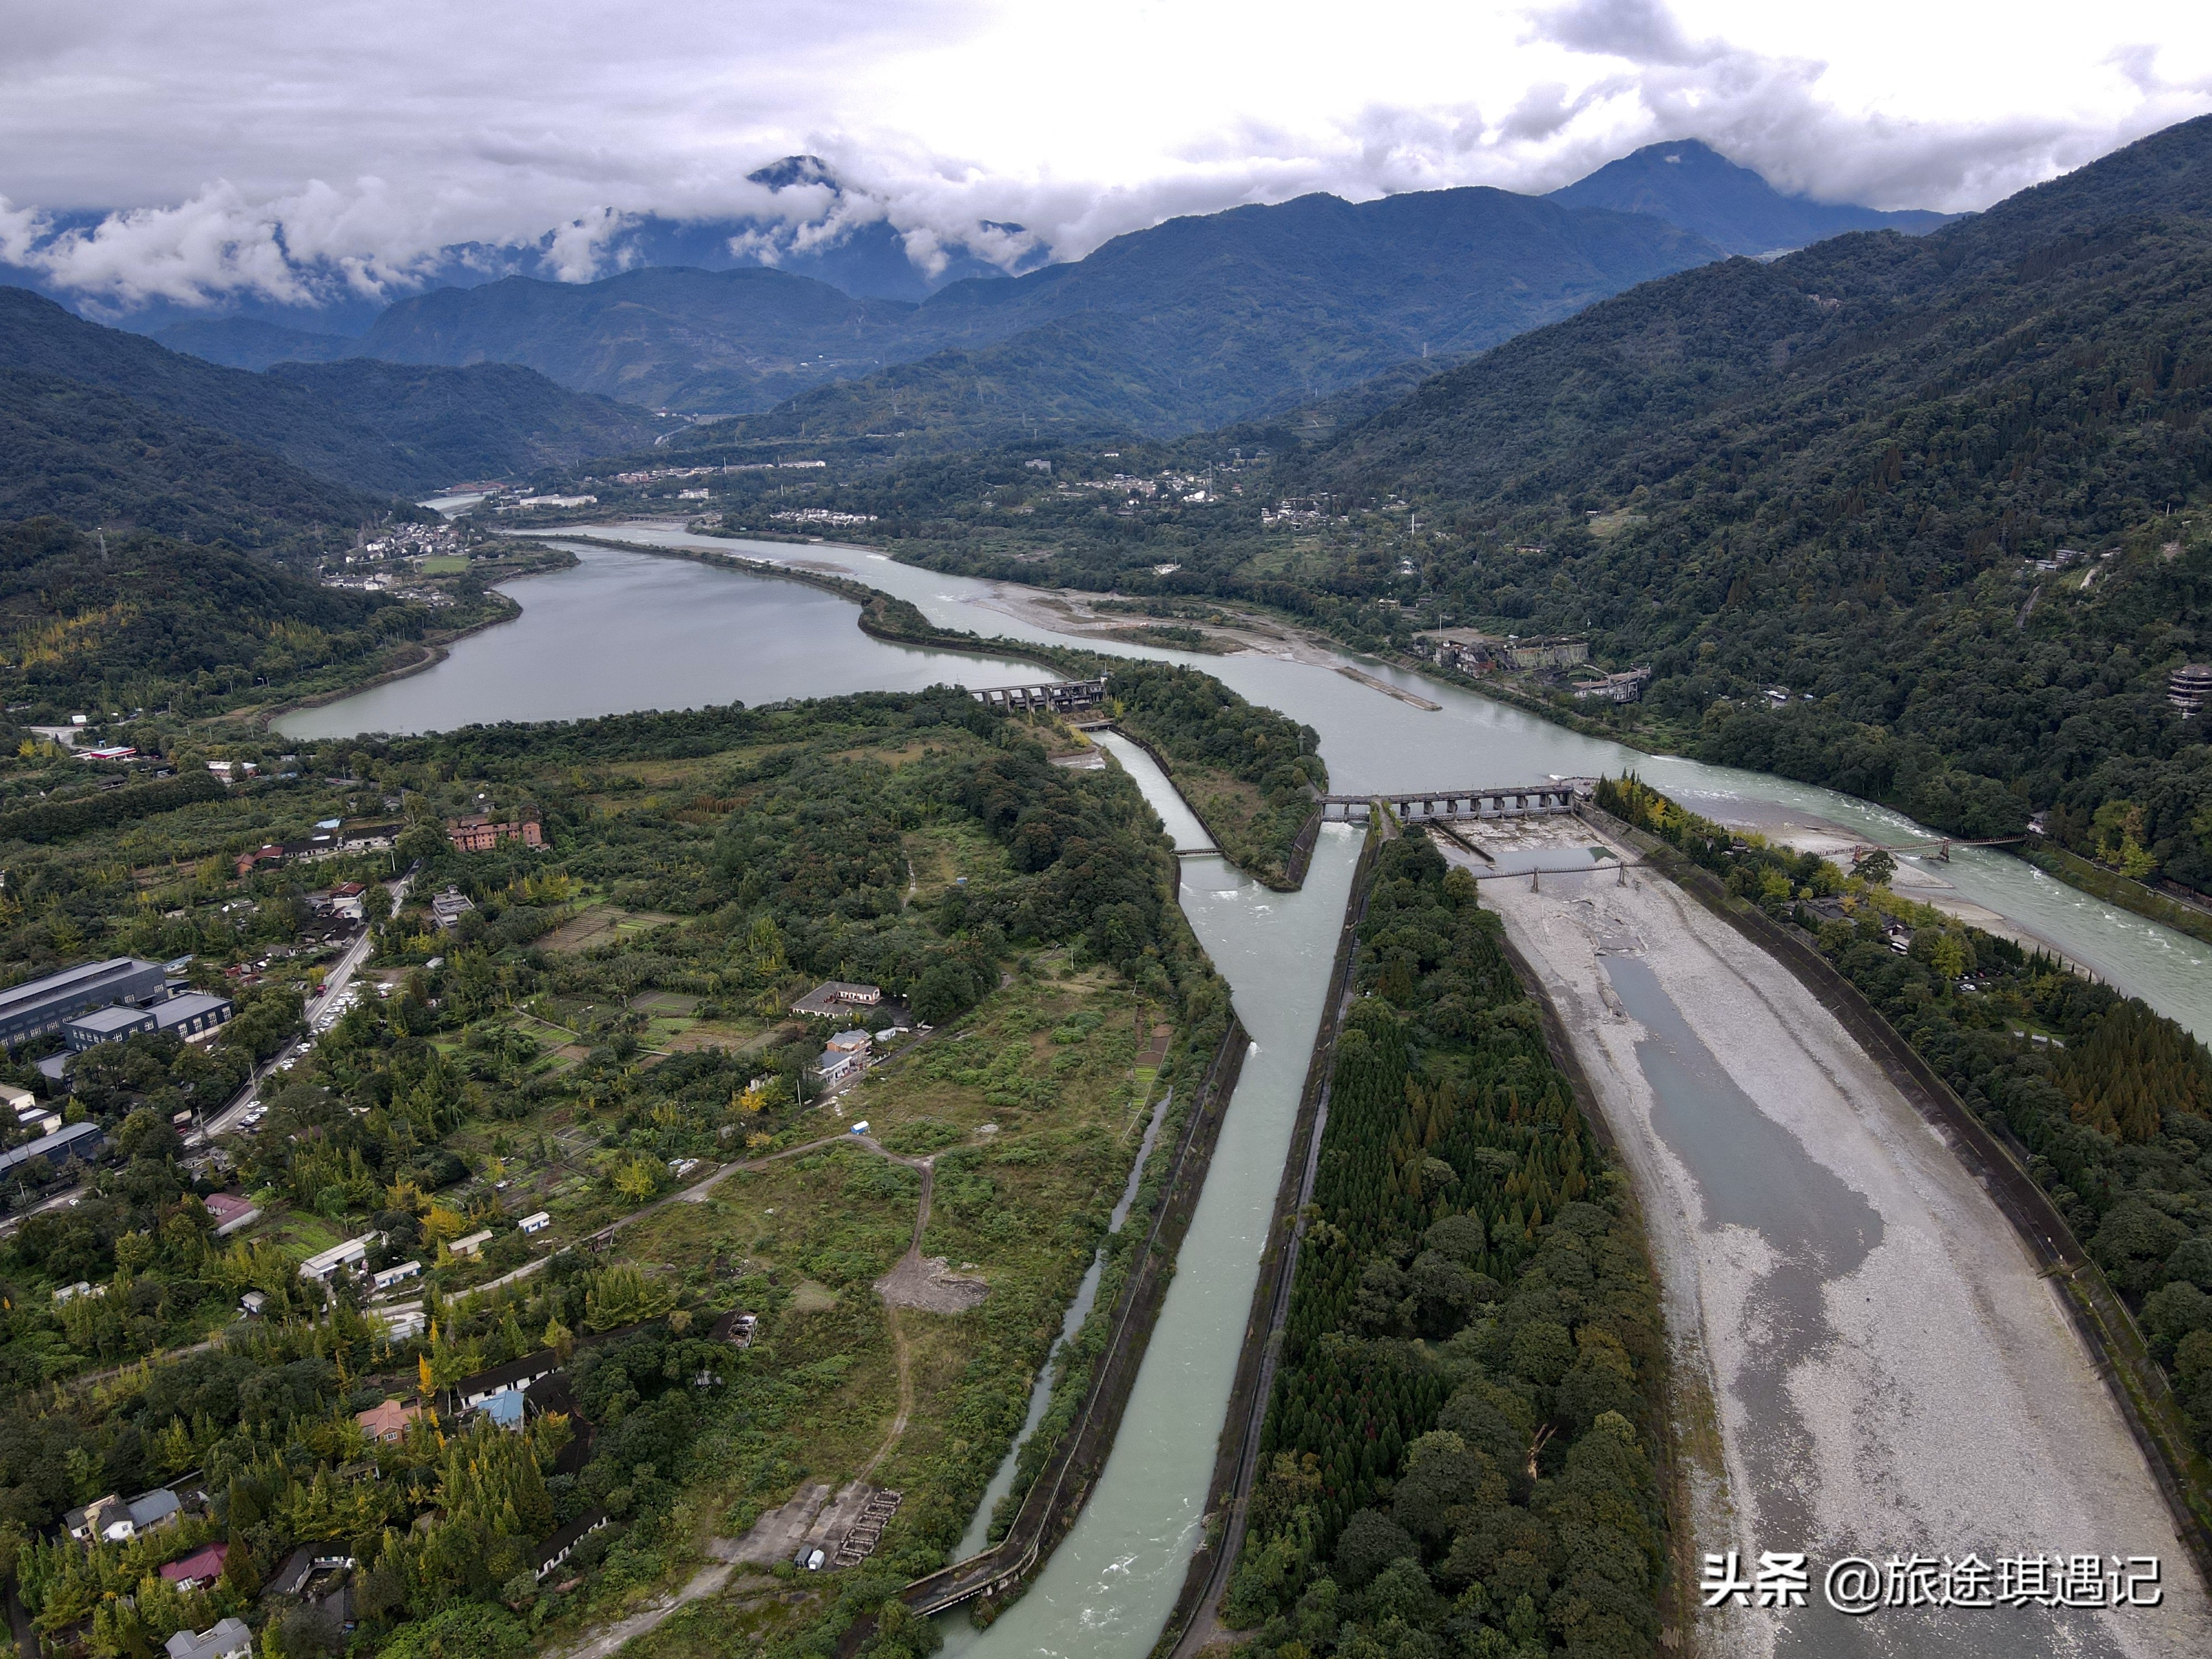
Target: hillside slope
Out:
[726,341]
[1688,184]
[157,620]
[97,458]
[1835,472]
[1204,321]
[339,429]
[252,343]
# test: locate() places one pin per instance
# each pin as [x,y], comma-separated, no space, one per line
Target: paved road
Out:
[326,1008]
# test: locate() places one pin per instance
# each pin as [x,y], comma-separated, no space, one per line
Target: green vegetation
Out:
[1460,1440]
[96,458]
[365,426]
[515,1061]
[1250,774]
[2107,1104]
[1839,468]
[130,624]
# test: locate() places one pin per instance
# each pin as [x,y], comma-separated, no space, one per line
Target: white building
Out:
[339,1257]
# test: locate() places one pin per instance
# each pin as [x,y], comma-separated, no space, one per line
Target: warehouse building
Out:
[40,1005]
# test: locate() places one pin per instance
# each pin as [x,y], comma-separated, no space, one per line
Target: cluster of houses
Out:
[319,1574]
[330,839]
[1472,651]
[408,542]
[848,1052]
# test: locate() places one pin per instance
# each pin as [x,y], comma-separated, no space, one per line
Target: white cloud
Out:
[260,147]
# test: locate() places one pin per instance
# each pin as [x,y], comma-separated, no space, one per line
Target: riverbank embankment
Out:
[1193,1623]
[2139,1385]
[1056,1495]
[1892,1369]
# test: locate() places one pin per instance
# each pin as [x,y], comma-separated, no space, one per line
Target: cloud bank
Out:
[306,156]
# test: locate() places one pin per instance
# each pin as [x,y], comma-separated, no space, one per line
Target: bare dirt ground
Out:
[928,1283]
[1890,1373]
[921,1281]
[777,1534]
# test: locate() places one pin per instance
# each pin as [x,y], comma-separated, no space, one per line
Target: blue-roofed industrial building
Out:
[188,1014]
[79,1140]
[40,1005]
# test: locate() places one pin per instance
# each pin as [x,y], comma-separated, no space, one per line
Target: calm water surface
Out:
[626,631]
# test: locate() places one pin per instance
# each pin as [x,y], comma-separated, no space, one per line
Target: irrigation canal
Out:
[625,630]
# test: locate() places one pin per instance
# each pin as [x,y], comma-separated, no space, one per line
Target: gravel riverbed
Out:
[1888,1373]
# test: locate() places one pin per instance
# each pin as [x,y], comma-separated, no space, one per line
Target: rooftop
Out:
[84,977]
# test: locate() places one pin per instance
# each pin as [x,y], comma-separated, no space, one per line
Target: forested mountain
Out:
[1204,320]
[342,427]
[142,620]
[1836,472]
[98,458]
[726,342]
[1688,184]
[1192,322]
[252,343]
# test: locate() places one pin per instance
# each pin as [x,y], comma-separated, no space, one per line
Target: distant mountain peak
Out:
[794,171]
[1689,184]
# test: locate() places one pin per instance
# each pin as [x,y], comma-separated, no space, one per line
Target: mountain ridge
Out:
[350,436]
[1688,184]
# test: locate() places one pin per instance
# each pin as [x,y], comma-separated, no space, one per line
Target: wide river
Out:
[625,630]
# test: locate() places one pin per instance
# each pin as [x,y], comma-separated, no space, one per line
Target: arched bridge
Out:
[1492,801]
[1060,697]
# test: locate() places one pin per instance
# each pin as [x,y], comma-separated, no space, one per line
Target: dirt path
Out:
[608,1639]
[905,1352]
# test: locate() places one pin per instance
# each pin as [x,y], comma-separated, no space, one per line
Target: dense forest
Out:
[364,427]
[1837,474]
[139,623]
[2108,1104]
[96,458]
[1459,1450]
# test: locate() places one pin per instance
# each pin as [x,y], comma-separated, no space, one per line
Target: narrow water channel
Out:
[1087,1296]
[1107,1588]
[621,631]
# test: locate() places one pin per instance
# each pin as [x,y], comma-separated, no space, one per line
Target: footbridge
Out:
[1516,800]
[1060,696]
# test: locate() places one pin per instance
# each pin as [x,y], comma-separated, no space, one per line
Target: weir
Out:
[1490,801]
[1060,696]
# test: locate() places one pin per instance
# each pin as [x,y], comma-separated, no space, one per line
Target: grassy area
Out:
[1028,1112]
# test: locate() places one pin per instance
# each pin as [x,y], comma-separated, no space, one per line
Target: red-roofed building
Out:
[387,1424]
[199,1569]
[479,833]
[230,1212]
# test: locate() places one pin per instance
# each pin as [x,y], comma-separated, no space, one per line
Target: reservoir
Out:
[622,631]
[625,630]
